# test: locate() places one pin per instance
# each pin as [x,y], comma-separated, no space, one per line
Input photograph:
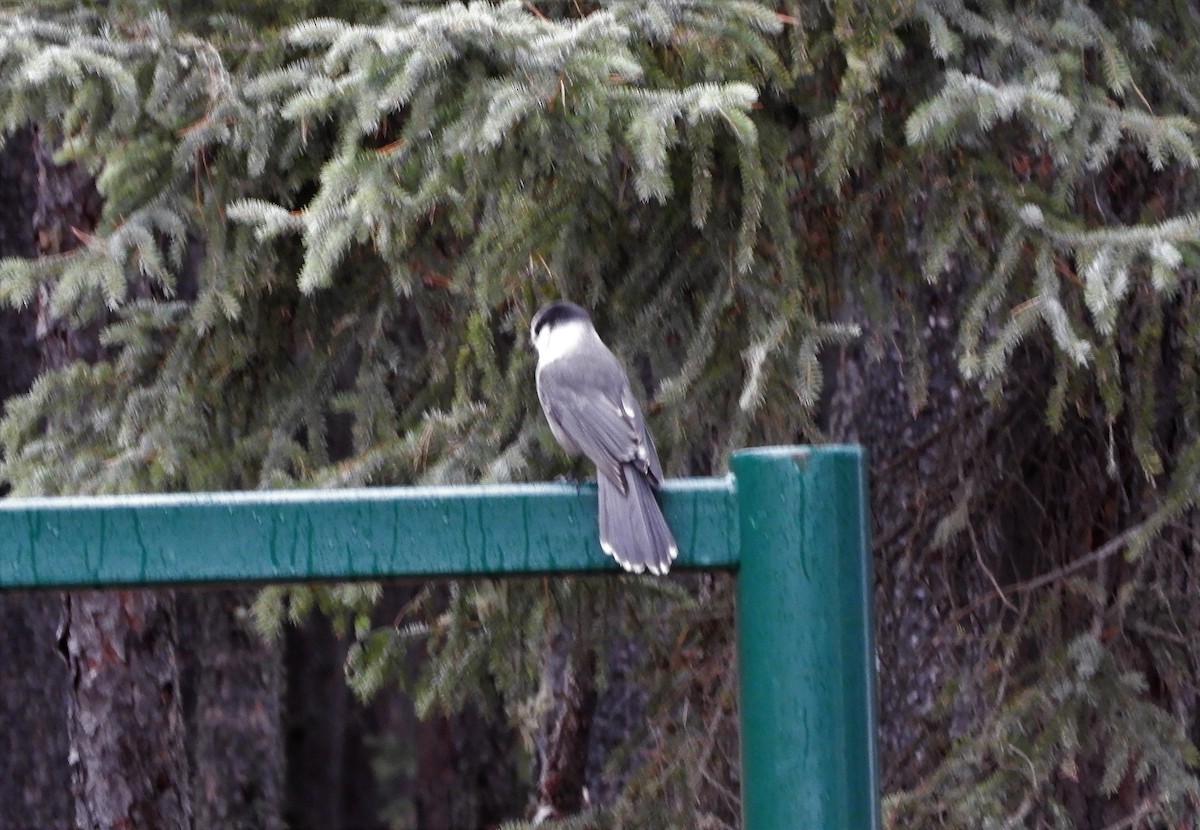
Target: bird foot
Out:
[568,478]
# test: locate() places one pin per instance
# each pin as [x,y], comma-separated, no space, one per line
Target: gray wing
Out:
[596,411]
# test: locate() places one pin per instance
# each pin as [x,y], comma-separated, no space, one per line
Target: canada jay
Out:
[587,400]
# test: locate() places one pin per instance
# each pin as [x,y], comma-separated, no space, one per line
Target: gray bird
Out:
[591,409]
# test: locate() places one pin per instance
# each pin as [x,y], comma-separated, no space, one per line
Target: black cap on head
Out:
[553,313]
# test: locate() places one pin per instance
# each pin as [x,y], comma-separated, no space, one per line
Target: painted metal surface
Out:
[807,660]
[280,536]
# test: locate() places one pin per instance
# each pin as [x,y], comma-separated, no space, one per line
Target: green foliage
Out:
[347,606]
[490,637]
[322,240]
[1074,709]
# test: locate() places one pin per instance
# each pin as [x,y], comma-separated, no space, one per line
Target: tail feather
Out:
[632,528]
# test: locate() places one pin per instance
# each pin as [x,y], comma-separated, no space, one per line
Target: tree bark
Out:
[569,691]
[34,779]
[124,719]
[1030,500]
[19,356]
[128,758]
[315,726]
[915,457]
[233,681]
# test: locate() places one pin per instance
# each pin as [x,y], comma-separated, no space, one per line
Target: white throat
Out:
[555,342]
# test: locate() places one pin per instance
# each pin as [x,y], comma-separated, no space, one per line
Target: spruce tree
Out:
[995,206]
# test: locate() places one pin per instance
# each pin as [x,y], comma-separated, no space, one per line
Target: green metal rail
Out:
[788,521]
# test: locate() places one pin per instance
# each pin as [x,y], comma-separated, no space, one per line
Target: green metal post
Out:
[805,645]
[790,522]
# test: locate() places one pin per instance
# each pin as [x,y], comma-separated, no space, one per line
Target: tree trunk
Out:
[316,713]
[233,682]
[128,759]
[124,716]
[974,503]
[915,456]
[19,356]
[34,779]
[569,691]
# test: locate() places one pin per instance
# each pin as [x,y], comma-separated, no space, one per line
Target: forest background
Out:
[294,244]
